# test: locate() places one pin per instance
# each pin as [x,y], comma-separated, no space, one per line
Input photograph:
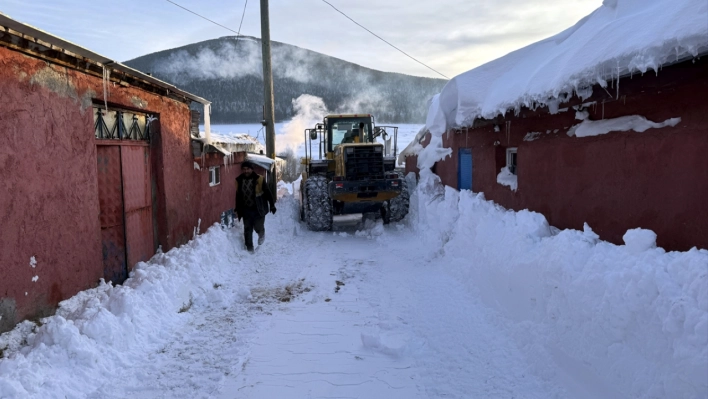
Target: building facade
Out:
[97,171]
[612,178]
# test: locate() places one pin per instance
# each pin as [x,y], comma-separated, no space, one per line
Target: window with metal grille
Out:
[116,124]
[511,160]
[214,175]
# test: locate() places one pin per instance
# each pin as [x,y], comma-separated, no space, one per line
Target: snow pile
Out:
[102,333]
[620,321]
[637,123]
[111,325]
[370,229]
[375,342]
[639,240]
[506,178]
[619,38]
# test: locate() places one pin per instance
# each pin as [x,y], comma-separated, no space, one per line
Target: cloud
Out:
[230,59]
[451,36]
[234,59]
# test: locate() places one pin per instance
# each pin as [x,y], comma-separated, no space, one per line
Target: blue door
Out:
[464,169]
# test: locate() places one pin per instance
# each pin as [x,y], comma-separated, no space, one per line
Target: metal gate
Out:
[126,207]
[464,169]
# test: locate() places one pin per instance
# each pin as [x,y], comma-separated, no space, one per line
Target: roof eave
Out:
[53,40]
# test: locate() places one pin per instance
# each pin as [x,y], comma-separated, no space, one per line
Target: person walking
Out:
[253,201]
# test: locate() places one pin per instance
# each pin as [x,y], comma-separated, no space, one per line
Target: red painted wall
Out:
[48,190]
[657,179]
[219,198]
[48,182]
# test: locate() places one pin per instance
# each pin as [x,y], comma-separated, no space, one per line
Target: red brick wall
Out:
[657,179]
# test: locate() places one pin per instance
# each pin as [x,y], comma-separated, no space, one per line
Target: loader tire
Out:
[396,208]
[317,204]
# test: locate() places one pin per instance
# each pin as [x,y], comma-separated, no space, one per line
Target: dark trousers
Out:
[252,221]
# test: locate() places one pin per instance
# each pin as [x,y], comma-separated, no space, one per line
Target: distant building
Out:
[626,150]
[99,167]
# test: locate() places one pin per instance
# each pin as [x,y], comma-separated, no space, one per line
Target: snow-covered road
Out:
[378,321]
[501,306]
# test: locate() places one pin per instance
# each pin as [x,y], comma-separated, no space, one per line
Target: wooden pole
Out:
[269,115]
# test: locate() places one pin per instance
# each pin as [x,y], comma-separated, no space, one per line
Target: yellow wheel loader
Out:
[354,172]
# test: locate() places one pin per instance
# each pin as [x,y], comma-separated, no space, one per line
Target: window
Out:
[116,124]
[511,160]
[214,176]
[350,130]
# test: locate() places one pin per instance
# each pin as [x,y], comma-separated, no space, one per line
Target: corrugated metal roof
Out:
[60,43]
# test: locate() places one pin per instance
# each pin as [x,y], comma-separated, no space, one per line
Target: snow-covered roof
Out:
[234,142]
[263,161]
[414,147]
[618,38]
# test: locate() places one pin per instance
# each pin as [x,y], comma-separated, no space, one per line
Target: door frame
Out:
[460,153]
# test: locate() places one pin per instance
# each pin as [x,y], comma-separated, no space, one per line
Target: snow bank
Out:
[619,38]
[622,321]
[101,333]
[110,325]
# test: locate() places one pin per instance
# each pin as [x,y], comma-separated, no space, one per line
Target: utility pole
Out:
[269,113]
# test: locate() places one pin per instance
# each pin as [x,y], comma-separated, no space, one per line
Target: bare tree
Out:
[292,168]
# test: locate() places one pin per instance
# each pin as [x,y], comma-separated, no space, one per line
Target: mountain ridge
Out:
[228,72]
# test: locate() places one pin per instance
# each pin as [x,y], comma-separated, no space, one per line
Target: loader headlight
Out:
[378,148]
[350,150]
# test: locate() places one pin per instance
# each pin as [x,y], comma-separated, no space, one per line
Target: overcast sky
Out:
[451,36]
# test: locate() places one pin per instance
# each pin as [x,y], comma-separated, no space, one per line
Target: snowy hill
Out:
[228,72]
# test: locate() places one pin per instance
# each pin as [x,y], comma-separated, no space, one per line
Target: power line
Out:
[384,40]
[241,24]
[238,34]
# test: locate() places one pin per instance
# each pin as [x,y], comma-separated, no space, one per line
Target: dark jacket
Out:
[264,198]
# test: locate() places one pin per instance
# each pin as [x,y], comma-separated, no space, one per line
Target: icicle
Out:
[207,123]
[106,80]
[618,81]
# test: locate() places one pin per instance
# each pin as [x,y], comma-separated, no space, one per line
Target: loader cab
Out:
[348,129]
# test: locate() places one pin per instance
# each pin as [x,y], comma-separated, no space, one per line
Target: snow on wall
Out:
[506,178]
[620,37]
[622,320]
[588,128]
